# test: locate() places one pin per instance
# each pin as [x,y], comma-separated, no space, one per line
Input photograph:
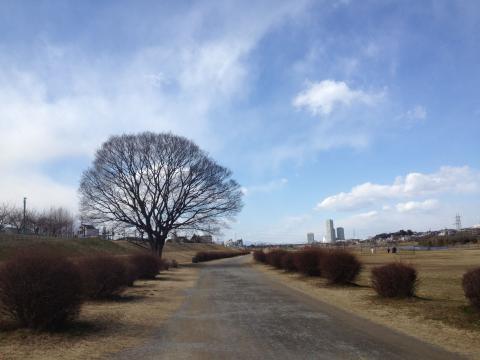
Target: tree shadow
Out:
[76,328]
[170,278]
[126,298]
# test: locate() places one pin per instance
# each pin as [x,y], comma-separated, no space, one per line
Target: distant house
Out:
[87,230]
[234,243]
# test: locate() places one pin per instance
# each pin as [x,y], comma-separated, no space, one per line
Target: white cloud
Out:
[410,206]
[322,97]
[447,180]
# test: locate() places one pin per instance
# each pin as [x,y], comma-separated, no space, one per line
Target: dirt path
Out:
[236,312]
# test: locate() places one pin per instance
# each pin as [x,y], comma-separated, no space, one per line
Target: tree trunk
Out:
[158,244]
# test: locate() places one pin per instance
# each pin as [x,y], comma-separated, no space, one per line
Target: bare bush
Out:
[147,265]
[308,261]
[40,290]
[274,257]
[471,287]
[260,256]
[394,280]
[340,267]
[103,276]
[132,273]
[288,262]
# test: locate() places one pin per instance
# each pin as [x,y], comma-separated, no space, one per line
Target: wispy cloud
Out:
[265,188]
[66,100]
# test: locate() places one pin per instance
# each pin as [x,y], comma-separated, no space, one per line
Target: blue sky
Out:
[366,112]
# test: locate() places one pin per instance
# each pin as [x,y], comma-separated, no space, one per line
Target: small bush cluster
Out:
[394,280]
[40,290]
[174,263]
[338,266]
[202,256]
[471,287]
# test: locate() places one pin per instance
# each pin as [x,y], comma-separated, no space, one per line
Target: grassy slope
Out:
[10,244]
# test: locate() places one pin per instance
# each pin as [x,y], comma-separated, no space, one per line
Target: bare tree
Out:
[15,218]
[158,183]
[55,222]
[4,214]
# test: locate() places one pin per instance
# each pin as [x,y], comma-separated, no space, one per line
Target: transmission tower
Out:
[458,222]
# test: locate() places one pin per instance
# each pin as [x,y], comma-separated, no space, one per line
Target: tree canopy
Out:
[158,183]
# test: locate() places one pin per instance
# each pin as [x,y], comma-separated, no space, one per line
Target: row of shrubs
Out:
[337,266]
[341,267]
[202,256]
[45,291]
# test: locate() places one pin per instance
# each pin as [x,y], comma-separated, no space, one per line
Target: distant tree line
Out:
[460,238]
[56,221]
[397,234]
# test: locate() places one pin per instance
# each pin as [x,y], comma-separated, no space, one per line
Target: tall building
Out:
[329,231]
[340,233]
[310,238]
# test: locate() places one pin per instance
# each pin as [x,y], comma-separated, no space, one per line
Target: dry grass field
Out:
[439,314]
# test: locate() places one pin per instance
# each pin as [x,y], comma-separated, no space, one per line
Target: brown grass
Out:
[439,314]
[104,327]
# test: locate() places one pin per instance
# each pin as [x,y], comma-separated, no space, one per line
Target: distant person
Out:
[372,250]
[394,250]
[388,250]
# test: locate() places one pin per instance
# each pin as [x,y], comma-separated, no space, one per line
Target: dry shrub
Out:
[274,257]
[148,265]
[103,276]
[471,287]
[394,280]
[340,267]
[40,290]
[202,256]
[132,274]
[308,260]
[260,256]
[288,262]
[174,263]
[164,264]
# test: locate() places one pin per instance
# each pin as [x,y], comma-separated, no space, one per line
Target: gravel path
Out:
[235,312]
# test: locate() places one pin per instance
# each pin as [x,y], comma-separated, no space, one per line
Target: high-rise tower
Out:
[340,233]
[329,231]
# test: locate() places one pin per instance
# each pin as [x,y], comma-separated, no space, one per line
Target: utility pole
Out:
[24,215]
